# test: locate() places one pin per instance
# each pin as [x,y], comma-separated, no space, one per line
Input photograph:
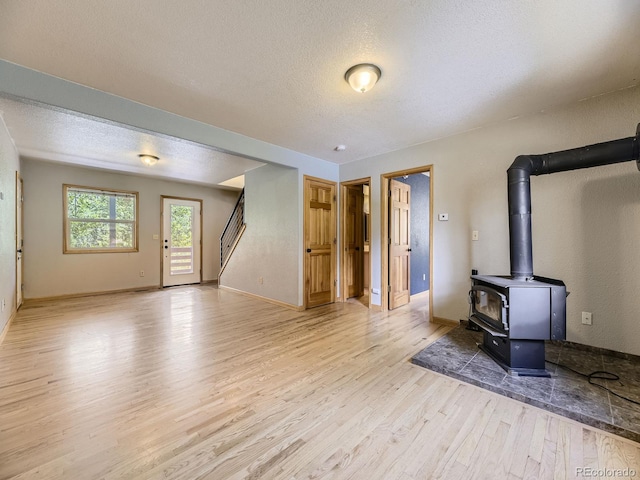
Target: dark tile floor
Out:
[565,393]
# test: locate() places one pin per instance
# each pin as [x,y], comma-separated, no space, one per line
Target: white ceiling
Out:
[273,70]
[54,135]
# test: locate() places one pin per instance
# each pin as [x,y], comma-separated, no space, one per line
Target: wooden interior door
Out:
[399,246]
[320,241]
[182,241]
[354,245]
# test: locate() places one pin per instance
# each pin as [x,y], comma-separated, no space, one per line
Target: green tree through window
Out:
[181,239]
[181,226]
[100,220]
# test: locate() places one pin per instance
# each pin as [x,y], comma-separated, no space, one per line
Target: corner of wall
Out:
[9,167]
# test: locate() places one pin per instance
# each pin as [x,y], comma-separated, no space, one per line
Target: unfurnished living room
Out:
[319,239]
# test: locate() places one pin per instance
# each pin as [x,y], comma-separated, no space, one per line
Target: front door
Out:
[320,241]
[399,247]
[19,240]
[181,241]
[354,236]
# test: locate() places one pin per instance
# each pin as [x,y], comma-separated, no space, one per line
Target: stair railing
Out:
[232,232]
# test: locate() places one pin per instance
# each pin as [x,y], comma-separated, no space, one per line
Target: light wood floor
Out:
[198,382]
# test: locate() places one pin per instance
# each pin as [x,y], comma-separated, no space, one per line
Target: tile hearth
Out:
[566,393]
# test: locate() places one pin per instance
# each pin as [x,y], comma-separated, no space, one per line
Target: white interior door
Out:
[19,240]
[181,241]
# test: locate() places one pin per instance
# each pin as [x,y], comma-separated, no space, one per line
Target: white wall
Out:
[586,223]
[48,272]
[270,246]
[9,165]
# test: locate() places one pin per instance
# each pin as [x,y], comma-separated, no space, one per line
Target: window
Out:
[98,220]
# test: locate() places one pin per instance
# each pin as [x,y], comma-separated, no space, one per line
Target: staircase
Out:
[232,232]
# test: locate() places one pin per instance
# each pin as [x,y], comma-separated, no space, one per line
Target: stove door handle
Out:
[486,327]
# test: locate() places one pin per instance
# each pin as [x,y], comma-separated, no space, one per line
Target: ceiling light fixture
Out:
[363,77]
[148,160]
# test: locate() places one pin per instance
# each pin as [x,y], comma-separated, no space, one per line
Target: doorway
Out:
[181,241]
[319,241]
[355,258]
[19,239]
[407,234]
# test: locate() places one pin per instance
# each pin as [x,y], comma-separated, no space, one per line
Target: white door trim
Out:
[182,279]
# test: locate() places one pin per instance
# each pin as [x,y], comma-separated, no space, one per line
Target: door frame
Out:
[384,232]
[343,235]
[308,178]
[171,197]
[19,241]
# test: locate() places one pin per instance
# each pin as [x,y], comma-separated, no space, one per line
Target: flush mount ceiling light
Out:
[362,77]
[148,160]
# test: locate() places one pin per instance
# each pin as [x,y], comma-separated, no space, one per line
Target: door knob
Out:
[166,246]
[408,249]
[20,251]
[308,250]
[357,249]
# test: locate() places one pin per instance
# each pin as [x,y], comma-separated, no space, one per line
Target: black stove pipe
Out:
[520,171]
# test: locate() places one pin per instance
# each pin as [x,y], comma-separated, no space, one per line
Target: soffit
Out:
[57,136]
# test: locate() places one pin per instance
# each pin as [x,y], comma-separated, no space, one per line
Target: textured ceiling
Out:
[52,135]
[274,70]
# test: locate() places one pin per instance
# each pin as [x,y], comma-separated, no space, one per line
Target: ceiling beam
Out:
[21,82]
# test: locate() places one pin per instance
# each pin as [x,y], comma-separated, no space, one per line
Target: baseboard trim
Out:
[28,301]
[298,308]
[445,321]
[7,325]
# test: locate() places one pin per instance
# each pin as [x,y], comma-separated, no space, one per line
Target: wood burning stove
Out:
[516,317]
[519,312]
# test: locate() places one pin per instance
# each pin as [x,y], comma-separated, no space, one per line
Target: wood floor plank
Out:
[196,382]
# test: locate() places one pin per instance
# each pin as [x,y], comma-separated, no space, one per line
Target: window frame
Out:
[66,222]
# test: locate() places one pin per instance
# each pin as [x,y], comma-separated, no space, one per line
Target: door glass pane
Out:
[181,239]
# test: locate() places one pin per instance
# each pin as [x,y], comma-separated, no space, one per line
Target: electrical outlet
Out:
[443,217]
[424,276]
[586,318]
[142,273]
[260,280]
[475,235]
